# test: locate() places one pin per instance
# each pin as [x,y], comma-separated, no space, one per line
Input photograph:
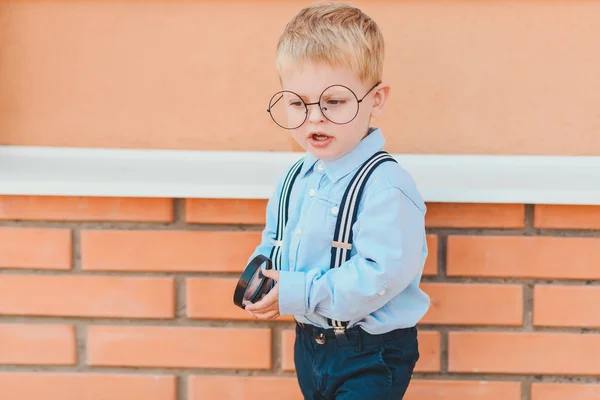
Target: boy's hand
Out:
[268,306]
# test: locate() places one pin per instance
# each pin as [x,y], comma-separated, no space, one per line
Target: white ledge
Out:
[252,175]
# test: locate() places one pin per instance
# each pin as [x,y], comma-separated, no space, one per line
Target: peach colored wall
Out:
[486,77]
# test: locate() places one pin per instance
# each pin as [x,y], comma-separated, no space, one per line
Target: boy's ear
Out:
[380,98]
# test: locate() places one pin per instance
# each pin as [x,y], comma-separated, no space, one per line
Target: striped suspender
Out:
[342,239]
[282,215]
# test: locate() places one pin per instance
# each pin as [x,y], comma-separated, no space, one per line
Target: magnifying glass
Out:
[252,284]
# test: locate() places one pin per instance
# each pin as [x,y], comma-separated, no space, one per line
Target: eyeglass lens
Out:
[337,103]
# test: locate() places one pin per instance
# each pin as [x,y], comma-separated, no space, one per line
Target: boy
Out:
[345,228]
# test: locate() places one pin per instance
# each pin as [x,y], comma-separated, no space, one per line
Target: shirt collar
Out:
[337,169]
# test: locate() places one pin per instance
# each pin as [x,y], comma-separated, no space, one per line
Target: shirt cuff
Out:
[292,299]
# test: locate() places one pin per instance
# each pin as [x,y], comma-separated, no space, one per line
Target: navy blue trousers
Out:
[354,366]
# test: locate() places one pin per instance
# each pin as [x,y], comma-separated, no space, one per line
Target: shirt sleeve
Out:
[389,238]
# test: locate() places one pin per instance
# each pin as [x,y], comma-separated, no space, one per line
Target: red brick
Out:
[474,304]
[555,305]
[429,352]
[561,391]
[431,264]
[37,344]
[429,349]
[225,211]
[463,390]
[288,337]
[167,250]
[71,386]
[524,353]
[523,257]
[566,217]
[204,387]
[35,248]
[61,208]
[212,298]
[87,296]
[160,346]
[466,215]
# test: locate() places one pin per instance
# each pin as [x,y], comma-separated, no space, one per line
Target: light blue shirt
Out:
[378,288]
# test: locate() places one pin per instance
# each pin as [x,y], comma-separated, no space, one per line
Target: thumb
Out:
[271,273]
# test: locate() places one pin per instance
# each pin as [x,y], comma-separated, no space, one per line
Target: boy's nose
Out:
[315,114]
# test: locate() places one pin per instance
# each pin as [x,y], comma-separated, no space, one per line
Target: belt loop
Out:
[360,339]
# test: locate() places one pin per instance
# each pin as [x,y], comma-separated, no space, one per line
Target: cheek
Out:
[351,134]
[364,114]
[348,137]
[299,136]
[358,127]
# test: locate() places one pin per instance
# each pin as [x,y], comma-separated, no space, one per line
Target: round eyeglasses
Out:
[338,103]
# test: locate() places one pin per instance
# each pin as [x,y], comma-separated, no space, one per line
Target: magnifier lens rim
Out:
[246,277]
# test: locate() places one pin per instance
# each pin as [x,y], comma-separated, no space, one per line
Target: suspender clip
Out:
[341,245]
[340,335]
[339,330]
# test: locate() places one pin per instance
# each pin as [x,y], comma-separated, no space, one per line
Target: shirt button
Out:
[299,232]
[335,210]
[320,167]
[312,192]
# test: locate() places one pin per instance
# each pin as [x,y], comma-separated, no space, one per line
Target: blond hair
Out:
[338,34]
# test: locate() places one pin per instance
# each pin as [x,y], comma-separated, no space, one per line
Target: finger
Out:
[271,273]
[265,302]
[260,309]
[273,316]
[253,307]
[267,307]
[268,315]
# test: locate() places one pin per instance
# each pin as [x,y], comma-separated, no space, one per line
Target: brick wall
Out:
[131,299]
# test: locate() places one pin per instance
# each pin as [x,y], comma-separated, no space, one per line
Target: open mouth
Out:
[319,137]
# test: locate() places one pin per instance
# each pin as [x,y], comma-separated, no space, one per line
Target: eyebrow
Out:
[303,97]
[306,98]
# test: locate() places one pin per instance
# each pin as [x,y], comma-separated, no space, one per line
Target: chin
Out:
[324,154]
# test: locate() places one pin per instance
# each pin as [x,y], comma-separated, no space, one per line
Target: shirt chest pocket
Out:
[323,217]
